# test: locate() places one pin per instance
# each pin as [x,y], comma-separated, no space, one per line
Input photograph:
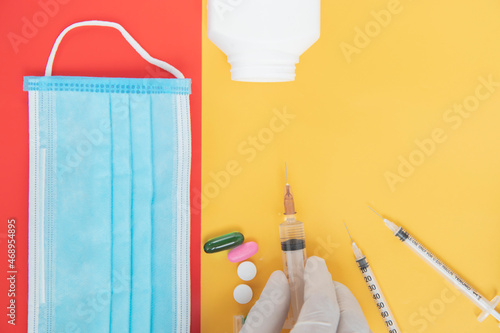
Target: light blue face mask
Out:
[109,201]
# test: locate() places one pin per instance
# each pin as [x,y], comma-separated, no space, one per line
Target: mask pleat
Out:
[82,229]
[142,189]
[121,220]
[164,213]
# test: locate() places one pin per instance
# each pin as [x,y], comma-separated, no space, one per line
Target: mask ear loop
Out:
[138,48]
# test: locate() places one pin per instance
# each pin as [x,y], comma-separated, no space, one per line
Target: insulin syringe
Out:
[293,247]
[373,286]
[487,307]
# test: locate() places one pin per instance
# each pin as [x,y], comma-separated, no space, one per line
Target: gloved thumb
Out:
[352,318]
[269,313]
[320,312]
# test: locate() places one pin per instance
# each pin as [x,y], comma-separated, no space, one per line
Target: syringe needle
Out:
[348,232]
[394,228]
[373,210]
[286,173]
[289,204]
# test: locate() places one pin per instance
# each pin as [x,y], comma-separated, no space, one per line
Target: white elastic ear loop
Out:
[162,64]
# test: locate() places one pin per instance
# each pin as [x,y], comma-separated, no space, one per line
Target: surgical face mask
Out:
[109,201]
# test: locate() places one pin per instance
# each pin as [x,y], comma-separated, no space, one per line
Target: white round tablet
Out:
[247,270]
[242,294]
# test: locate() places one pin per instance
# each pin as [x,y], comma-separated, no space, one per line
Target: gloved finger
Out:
[320,312]
[352,318]
[269,313]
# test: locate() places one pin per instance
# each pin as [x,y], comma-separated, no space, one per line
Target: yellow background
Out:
[352,123]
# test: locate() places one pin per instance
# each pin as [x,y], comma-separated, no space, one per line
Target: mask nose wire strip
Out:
[138,48]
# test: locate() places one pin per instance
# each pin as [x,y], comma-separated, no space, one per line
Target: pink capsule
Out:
[243,252]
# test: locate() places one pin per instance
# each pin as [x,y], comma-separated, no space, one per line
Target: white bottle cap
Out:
[247,270]
[263,39]
[242,294]
[264,66]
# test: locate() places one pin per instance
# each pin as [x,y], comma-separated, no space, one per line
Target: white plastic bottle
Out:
[263,39]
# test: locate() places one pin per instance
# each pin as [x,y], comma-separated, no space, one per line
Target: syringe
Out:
[293,246]
[373,286]
[238,323]
[487,307]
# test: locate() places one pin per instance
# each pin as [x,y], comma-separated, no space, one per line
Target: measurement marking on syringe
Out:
[444,267]
[487,307]
[372,284]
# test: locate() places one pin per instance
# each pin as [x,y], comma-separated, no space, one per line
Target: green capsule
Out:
[224,242]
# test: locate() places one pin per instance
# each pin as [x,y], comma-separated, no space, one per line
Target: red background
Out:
[168,29]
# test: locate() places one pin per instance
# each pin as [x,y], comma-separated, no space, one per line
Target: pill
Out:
[242,294]
[224,242]
[247,270]
[243,252]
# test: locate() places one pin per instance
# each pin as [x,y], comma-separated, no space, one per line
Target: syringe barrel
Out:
[293,247]
[237,323]
[378,296]
[447,273]
[292,234]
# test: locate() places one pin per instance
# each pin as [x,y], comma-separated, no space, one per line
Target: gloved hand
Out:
[329,306]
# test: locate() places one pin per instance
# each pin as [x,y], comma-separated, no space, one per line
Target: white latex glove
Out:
[328,306]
